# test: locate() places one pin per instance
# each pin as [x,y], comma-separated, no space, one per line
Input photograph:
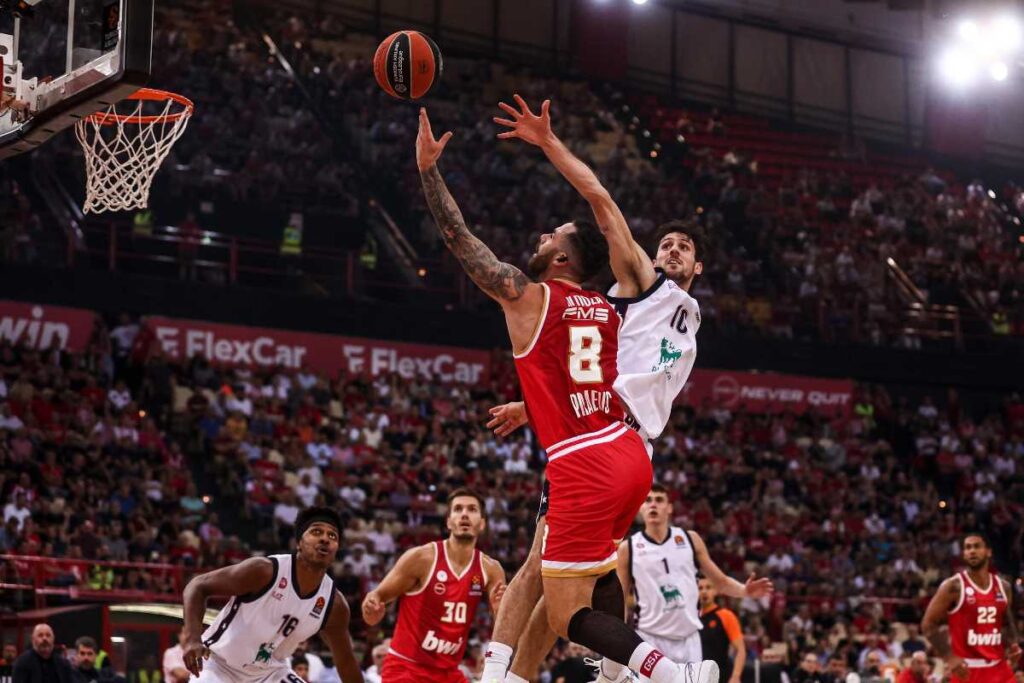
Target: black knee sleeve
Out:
[605,634]
[608,596]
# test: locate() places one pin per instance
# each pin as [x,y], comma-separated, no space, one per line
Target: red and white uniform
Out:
[433,623]
[599,471]
[976,630]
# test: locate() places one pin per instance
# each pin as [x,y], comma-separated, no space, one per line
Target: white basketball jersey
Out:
[257,633]
[657,349]
[665,581]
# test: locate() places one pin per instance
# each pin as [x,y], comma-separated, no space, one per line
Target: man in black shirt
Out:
[40,664]
[85,670]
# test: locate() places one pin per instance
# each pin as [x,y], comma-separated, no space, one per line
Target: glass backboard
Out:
[65,59]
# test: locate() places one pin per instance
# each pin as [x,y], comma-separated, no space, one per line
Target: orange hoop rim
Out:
[150,95]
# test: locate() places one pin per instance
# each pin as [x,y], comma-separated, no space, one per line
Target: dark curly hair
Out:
[692,229]
[590,249]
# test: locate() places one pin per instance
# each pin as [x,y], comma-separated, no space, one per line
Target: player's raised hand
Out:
[507,418]
[194,654]
[526,125]
[373,609]
[758,588]
[428,150]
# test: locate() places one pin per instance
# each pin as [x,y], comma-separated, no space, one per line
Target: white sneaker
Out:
[699,672]
[624,677]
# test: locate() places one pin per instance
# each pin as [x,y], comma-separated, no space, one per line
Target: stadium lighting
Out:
[968,30]
[1007,34]
[639,2]
[958,66]
[999,71]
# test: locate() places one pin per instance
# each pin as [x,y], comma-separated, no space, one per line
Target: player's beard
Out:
[538,264]
[976,564]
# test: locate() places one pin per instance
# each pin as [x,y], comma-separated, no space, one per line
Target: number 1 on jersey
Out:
[585,354]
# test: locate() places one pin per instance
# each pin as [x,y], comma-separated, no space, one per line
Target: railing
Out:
[920,318]
[68,579]
[218,258]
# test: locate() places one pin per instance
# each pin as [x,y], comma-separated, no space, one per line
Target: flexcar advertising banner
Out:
[42,327]
[269,348]
[769,392]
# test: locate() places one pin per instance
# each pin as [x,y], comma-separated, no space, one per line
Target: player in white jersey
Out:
[658,567]
[657,349]
[277,603]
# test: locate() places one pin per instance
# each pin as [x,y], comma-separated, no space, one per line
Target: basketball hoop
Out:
[124,150]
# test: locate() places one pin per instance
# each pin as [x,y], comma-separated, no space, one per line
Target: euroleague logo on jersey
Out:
[476,588]
[318,608]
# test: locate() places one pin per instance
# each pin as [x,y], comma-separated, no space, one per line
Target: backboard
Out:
[65,59]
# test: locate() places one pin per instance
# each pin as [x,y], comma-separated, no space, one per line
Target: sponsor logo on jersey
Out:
[283,583]
[431,643]
[981,639]
[442,575]
[673,597]
[668,357]
[599,315]
[439,588]
[318,608]
[276,595]
[263,654]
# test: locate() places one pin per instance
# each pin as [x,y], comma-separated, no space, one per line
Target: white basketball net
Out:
[122,158]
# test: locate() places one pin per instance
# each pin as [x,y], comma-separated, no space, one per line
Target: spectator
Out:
[914,642]
[809,670]
[917,672]
[360,563]
[300,665]
[872,669]
[315,668]
[174,662]
[40,664]
[18,511]
[372,674]
[85,670]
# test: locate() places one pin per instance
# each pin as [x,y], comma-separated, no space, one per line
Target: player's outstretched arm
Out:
[632,267]
[501,281]
[412,568]
[724,584]
[935,627]
[335,634]
[251,576]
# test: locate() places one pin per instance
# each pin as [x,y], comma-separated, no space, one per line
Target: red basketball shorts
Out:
[598,482]
[396,670]
[998,673]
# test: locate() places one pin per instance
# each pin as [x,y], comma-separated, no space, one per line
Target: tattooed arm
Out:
[521,299]
[501,281]
[1010,633]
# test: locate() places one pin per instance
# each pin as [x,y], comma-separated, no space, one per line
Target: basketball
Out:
[407,65]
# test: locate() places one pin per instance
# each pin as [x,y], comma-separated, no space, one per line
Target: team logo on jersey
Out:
[318,608]
[442,575]
[283,583]
[668,358]
[263,654]
[673,597]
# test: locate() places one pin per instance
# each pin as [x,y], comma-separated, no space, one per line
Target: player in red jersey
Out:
[564,339]
[981,644]
[439,586]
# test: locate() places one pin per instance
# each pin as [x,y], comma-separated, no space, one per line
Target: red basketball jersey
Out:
[567,371]
[976,623]
[433,622]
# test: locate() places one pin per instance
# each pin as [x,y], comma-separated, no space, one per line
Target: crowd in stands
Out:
[801,244]
[118,453]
